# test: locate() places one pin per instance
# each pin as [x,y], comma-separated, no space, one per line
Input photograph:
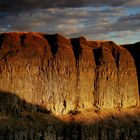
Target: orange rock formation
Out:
[62,74]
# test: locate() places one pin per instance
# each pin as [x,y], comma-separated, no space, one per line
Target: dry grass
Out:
[125,116]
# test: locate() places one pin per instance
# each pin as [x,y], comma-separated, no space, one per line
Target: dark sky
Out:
[117,20]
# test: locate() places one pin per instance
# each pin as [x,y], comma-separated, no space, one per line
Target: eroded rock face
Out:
[134,49]
[63,74]
[116,77]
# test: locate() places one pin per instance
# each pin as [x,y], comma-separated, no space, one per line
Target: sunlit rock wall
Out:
[62,74]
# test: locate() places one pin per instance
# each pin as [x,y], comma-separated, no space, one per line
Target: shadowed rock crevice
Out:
[2,36]
[76,46]
[116,55]
[22,39]
[97,53]
[77,51]
[52,40]
[97,56]
[115,49]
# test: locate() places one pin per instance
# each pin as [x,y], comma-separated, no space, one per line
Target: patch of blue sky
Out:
[133,10]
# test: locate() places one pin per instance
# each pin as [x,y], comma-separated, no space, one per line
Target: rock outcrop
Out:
[63,75]
[52,87]
[134,49]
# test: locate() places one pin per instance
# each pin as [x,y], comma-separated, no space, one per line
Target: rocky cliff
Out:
[52,87]
[63,75]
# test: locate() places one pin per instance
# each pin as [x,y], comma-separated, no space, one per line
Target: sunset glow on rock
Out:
[62,74]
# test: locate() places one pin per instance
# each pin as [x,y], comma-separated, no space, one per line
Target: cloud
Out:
[108,19]
[128,23]
[68,20]
[130,17]
[25,5]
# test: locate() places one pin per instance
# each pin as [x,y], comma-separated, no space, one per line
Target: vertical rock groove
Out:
[52,40]
[2,36]
[85,72]
[105,79]
[22,38]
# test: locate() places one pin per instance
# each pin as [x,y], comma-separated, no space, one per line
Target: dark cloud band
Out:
[17,5]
